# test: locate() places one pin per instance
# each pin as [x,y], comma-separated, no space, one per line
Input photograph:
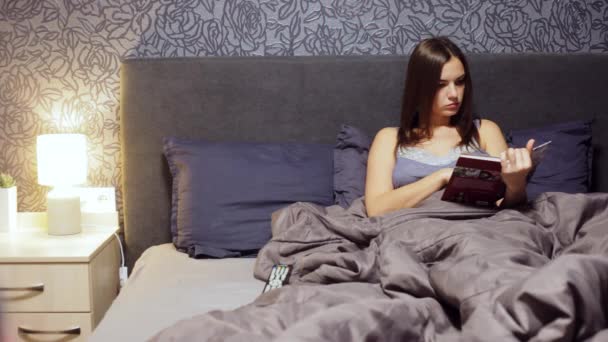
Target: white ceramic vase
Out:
[8,209]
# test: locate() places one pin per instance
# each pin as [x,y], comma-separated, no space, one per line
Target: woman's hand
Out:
[445,174]
[516,164]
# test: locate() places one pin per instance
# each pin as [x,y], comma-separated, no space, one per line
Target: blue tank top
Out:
[414,163]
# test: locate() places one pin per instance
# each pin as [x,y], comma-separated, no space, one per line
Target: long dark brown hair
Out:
[421,85]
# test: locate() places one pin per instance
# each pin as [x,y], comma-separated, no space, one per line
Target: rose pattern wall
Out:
[60,60]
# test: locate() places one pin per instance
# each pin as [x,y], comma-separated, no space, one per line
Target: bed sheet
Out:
[167,286]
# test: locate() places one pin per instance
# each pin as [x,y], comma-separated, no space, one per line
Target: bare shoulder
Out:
[488,126]
[491,138]
[385,141]
[387,134]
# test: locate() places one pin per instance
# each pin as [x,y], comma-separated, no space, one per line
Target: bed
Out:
[319,101]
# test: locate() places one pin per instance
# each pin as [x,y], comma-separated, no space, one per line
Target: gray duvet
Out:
[438,272]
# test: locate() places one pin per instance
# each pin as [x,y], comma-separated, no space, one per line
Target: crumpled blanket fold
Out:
[438,272]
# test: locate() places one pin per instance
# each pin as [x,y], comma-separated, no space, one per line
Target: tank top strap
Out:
[477,122]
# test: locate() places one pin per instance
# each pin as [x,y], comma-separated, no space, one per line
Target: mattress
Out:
[167,286]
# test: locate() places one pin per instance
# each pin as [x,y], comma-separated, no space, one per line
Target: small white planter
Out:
[8,209]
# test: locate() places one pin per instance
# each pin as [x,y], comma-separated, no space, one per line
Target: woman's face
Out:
[450,90]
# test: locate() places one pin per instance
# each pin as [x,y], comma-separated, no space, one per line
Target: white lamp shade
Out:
[62,159]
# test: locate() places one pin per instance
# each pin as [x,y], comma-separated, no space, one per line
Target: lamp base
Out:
[63,213]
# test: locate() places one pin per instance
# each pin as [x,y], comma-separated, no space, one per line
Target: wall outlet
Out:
[97,200]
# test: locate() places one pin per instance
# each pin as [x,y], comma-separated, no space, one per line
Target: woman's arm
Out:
[380,196]
[516,162]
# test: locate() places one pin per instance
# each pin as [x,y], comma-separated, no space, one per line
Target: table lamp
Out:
[62,163]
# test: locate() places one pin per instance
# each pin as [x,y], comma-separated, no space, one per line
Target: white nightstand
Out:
[57,287]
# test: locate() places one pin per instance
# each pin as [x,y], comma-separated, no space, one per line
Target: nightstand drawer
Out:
[45,287]
[47,327]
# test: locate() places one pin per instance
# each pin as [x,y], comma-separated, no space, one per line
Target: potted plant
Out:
[8,203]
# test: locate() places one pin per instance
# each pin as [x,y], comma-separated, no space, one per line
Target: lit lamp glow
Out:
[62,163]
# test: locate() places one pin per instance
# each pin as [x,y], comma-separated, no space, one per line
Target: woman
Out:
[407,164]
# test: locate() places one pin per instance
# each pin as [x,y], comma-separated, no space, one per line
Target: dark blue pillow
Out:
[224,193]
[566,165]
[350,164]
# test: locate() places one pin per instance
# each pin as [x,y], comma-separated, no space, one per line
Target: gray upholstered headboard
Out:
[307,98]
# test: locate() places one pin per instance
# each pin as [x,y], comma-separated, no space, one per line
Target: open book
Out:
[476,180]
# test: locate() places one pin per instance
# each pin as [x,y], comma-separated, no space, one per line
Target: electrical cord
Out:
[122,271]
[122,254]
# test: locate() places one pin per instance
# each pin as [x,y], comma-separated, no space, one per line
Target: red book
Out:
[476,180]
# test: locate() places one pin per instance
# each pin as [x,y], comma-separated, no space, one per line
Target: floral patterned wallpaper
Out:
[60,59]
